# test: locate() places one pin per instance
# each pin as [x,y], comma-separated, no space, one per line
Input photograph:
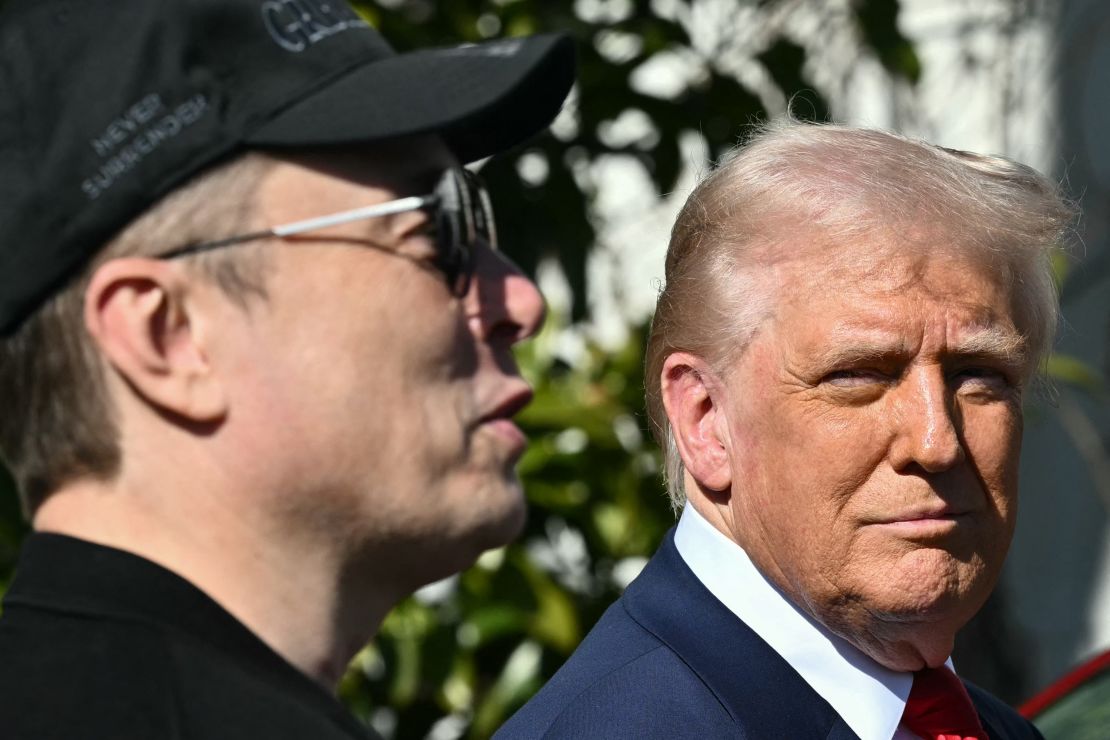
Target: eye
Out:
[983,381]
[420,242]
[856,386]
[429,229]
[855,378]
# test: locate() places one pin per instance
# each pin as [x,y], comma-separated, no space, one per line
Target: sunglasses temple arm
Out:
[413,203]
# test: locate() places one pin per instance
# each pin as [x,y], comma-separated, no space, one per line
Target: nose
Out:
[503,304]
[925,433]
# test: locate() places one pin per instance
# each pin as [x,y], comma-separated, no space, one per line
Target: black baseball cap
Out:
[108,105]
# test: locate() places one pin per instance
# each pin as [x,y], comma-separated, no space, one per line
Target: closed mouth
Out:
[509,406]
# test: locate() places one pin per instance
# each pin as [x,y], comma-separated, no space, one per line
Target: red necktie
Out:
[940,709]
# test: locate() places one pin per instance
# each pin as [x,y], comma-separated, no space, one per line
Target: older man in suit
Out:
[836,371]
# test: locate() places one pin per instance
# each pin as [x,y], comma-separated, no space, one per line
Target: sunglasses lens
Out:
[464,216]
[448,241]
[481,209]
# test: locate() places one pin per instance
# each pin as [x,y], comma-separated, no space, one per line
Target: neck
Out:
[302,602]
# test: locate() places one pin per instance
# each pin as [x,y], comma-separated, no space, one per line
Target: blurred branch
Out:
[1089,443]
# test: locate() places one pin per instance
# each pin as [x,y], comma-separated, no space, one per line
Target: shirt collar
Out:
[869,697]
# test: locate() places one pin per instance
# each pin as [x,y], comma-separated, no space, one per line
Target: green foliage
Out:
[1075,372]
[878,24]
[551,217]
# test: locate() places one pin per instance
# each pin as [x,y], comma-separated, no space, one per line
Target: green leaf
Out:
[1075,372]
[555,621]
[518,680]
[785,61]
[878,22]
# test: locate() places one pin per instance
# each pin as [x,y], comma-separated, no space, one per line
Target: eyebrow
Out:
[994,342]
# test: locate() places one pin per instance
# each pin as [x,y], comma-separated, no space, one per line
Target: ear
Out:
[139,313]
[692,398]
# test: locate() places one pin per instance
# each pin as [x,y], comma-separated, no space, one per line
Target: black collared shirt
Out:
[100,644]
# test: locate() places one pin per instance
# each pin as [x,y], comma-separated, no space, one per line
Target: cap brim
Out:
[482,98]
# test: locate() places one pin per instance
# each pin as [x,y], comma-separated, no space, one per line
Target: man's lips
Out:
[509,404]
[922,521]
[499,418]
[940,511]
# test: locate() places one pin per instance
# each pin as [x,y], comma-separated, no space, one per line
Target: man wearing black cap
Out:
[255,358]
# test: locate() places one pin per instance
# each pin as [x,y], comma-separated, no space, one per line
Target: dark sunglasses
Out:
[461,213]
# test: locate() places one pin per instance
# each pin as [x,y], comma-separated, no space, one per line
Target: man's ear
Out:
[139,313]
[692,399]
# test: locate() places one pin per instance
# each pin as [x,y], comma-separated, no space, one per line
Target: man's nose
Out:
[502,304]
[925,424]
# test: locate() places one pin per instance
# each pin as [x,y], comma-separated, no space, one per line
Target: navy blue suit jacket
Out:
[669,660]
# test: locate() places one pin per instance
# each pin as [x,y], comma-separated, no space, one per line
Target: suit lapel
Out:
[759,690]
[998,725]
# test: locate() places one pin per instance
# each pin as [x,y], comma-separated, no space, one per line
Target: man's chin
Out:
[925,584]
[450,558]
[909,653]
[498,518]
[900,634]
[502,529]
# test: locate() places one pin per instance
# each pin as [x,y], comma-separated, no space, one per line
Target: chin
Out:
[932,583]
[458,551]
[925,607]
[504,525]
[915,652]
[495,519]
[903,632]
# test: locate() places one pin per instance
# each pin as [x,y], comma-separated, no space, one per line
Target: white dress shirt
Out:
[869,697]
